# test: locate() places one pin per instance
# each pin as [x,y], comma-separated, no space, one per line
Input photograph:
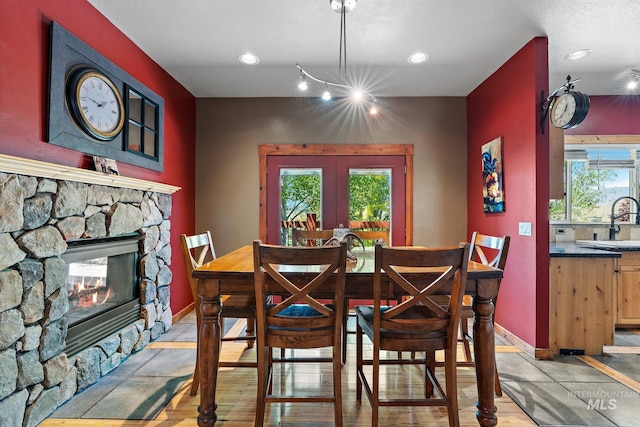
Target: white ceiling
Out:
[198,42]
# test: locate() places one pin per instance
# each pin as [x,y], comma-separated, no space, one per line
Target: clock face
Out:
[569,110]
[563,110]
[96,104]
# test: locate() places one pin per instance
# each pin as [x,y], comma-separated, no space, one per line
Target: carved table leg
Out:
[484,352]
[209,356]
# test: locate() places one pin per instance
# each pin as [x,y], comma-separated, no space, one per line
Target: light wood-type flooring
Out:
[236,396]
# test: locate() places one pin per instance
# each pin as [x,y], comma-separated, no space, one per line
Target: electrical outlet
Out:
[524,228]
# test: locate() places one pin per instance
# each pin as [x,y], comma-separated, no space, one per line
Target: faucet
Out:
[612,227]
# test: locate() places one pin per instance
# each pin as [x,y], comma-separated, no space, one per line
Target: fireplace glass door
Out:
[99,284]
[102,286]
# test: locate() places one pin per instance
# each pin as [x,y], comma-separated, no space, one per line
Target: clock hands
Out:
[99,104]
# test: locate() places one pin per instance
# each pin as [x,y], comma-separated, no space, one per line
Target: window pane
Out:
[370,197]
[133,137]
[135,107]
[300,199]
[593,191]
[150,115]
[149,143]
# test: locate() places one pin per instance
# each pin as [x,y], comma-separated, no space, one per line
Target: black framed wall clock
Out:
[569,109]
[89,107]
[95,103]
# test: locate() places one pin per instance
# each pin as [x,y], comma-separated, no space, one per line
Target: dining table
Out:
[232,274]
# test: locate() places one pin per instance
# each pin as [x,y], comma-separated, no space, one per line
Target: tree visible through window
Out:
[590,191]
[301,189]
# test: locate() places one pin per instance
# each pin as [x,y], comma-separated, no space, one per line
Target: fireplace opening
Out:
[102,287]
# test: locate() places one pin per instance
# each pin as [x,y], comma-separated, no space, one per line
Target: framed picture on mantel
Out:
[492,176]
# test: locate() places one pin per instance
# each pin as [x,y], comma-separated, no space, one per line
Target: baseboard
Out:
[182,313]
[525,347]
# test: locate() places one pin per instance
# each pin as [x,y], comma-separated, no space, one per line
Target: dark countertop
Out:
[571,250]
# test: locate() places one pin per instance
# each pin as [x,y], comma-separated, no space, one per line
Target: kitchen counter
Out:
[575,250]
[611,245]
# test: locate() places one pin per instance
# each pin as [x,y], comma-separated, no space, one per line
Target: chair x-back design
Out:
[417,324]
[299,320]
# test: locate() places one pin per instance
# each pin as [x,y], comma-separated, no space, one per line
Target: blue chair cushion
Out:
[299,310]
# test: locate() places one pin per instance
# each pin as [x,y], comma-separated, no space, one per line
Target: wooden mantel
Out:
[22,166]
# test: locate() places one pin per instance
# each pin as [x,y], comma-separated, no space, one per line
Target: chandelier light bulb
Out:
[302,84]
[357,94]
[633,83]
[326,95]
[373,110]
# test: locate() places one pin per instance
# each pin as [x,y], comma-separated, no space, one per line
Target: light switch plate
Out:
[524,228]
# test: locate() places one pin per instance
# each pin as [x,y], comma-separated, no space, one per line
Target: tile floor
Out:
[601,390]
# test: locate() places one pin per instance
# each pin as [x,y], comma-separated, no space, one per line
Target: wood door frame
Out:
[405,150]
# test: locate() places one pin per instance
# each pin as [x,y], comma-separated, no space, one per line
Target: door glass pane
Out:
[300,200]
[370,200]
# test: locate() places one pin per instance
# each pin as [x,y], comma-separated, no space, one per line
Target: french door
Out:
[332,187]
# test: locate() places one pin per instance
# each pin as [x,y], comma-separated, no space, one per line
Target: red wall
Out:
[611,115]
[507,104]
[24,47]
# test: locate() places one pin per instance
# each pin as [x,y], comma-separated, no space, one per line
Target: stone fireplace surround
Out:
[42,206]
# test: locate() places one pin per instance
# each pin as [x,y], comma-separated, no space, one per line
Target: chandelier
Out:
[342,7]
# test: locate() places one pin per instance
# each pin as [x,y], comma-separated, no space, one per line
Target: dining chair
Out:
[376,236]
[491,251]
[417,324]
[298,321]
[303,237]
[197,250]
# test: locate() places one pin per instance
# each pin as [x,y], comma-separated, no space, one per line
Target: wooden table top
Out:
[240,263]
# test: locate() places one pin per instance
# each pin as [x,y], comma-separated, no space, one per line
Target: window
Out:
[141,136]
[594,178]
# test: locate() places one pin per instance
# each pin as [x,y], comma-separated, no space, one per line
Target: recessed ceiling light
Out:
[249,58]
[418,58]
[578,54]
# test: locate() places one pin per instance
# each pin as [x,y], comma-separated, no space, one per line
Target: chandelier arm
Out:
[312,77]
[329,83]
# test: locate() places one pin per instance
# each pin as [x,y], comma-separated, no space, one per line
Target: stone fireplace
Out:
[51,219]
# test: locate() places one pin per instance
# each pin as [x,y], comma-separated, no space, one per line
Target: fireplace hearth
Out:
[102,287]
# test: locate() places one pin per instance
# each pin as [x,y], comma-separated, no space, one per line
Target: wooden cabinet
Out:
[581,303]
[628,289]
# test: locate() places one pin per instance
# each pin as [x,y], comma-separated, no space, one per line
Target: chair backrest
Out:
[375,231]
[421,272]
[314,323]
[196,250]
[489,250]
[374,235]
[302,237]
